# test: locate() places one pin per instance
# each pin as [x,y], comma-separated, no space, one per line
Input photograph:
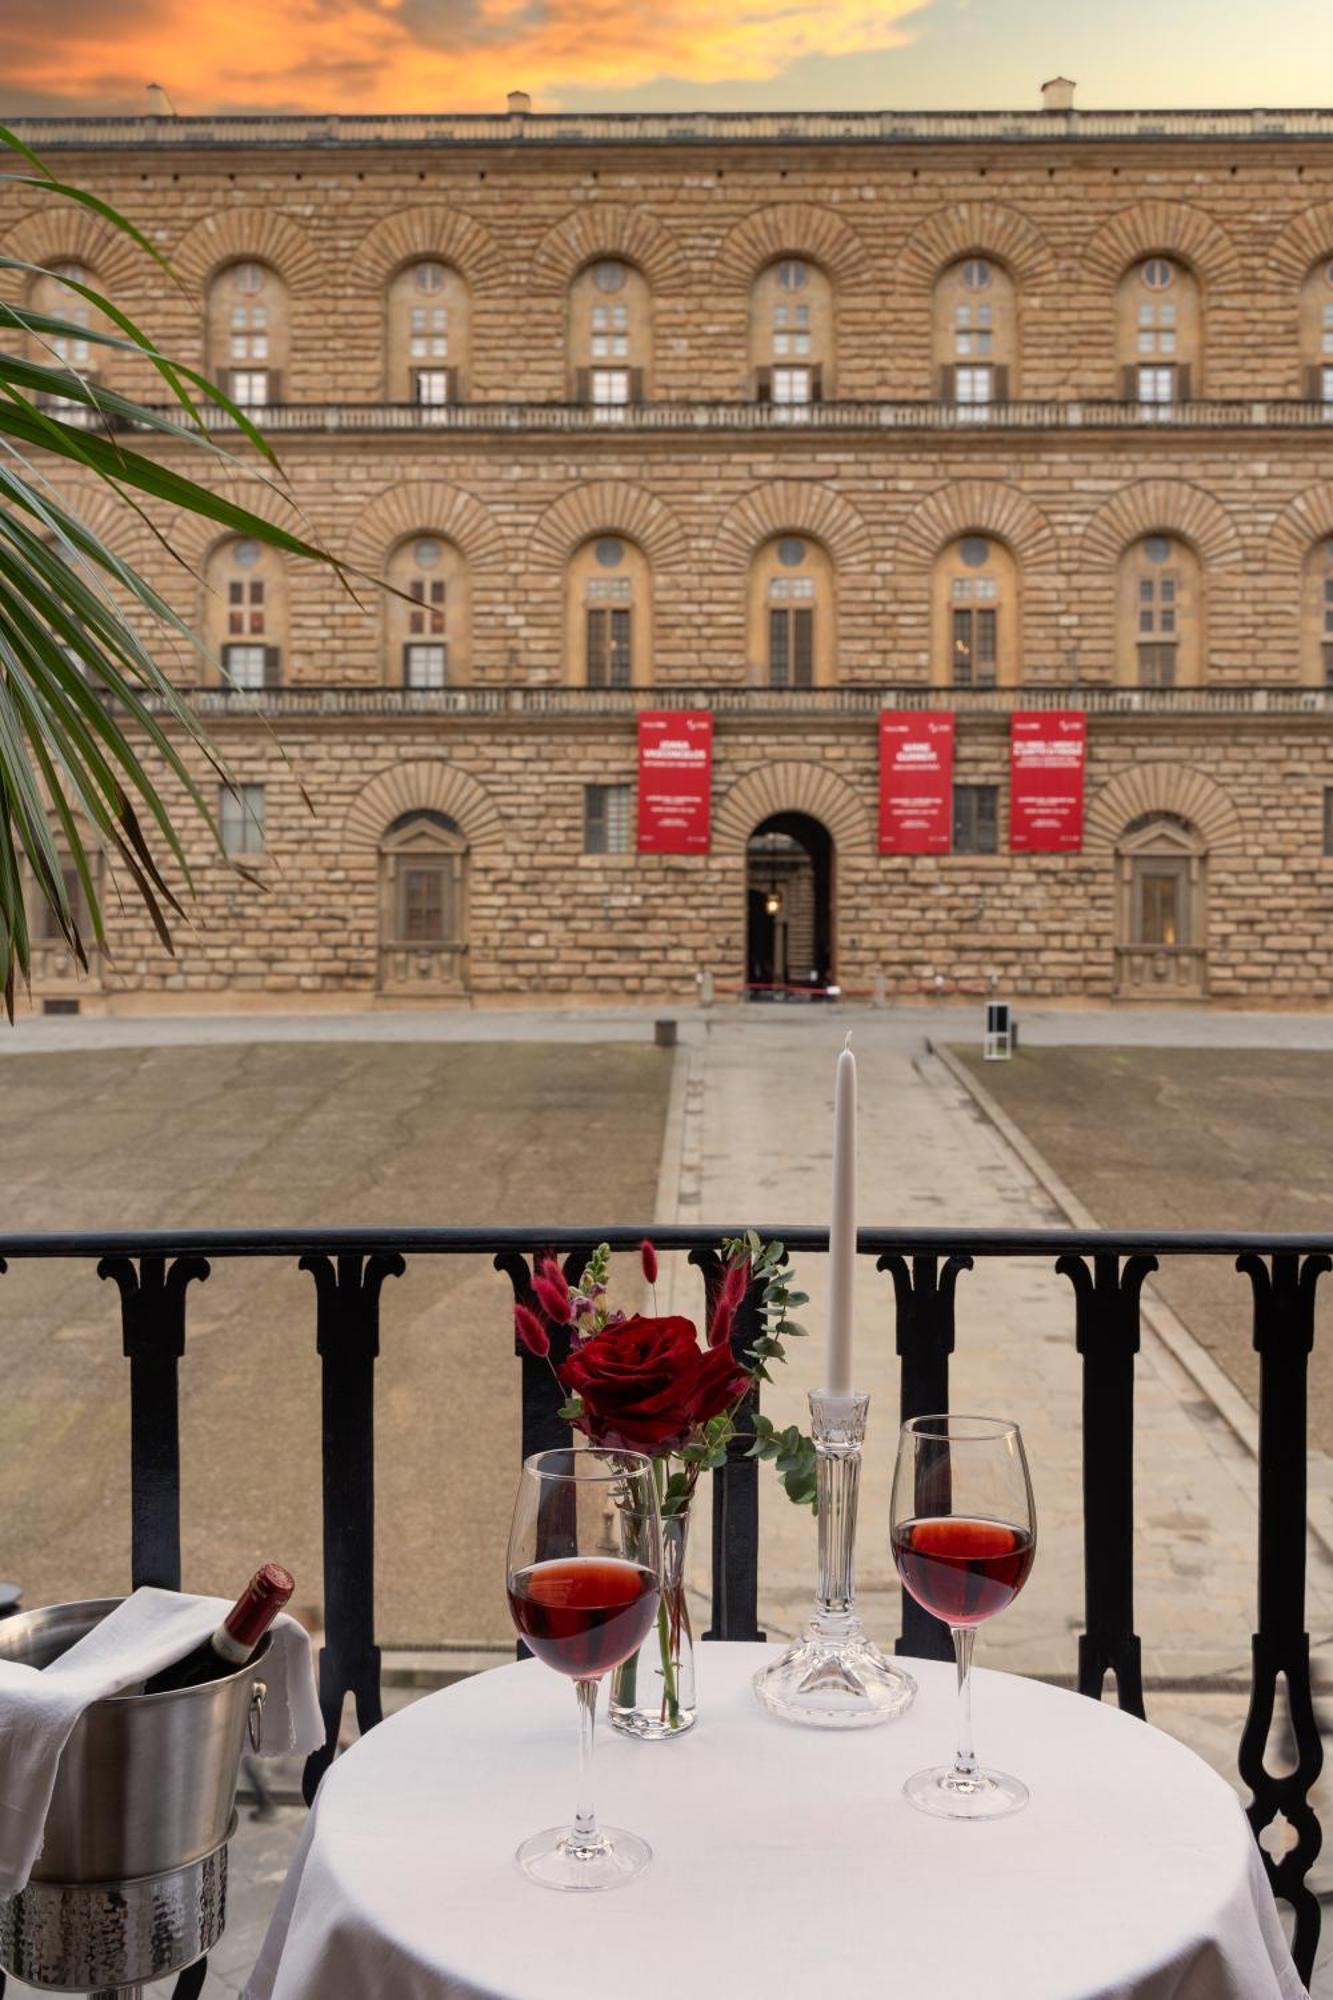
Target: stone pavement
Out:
[749,1136]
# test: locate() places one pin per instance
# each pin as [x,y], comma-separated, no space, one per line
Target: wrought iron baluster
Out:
[347,1299]
[1106,1305]
[152,1314]
[924,1300]
[543,1428]
[1284,1301]
[735,1484]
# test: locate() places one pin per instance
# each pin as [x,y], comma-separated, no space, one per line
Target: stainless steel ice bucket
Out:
[130,1885]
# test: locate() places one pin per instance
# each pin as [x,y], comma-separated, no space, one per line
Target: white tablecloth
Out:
[785,1860]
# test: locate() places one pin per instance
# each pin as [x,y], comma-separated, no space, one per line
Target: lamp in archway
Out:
[773,901]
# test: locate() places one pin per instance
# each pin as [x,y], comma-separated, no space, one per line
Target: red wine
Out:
[236,1638]
[585,1614]
[960,1569]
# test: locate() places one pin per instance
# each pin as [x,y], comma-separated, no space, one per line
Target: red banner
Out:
[675,781]
[915,782]
[1047,748]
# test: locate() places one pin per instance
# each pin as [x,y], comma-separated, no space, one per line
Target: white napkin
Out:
[150,1630]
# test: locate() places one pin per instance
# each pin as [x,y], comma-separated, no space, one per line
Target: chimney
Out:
[519,103]
[159,104]
[1058,94]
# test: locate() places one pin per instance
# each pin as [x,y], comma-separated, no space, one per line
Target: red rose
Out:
[646,1383]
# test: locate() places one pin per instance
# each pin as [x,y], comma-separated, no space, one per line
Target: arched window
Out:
[610,336]
[423,906]
[246,612]
[248,333]
[1317,332]
[428,335]
[791,622]
[610,614]
[791,334]
[52,293]
[976,334]
[1317,617]
[1161,908]
[976,615]
[429,627]
[1158,334]
[1160,621]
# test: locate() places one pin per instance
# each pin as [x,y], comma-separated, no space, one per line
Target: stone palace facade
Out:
[789,419]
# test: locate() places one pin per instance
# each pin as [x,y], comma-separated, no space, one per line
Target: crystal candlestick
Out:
[833,1675]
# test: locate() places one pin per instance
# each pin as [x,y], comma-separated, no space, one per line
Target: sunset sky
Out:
[464,55]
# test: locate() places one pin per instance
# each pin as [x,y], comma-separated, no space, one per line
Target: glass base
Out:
[835,1684]
[985,1795]
[558,1860]
[650,1725]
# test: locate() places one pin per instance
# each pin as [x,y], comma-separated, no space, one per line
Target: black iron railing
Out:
[1106,1272]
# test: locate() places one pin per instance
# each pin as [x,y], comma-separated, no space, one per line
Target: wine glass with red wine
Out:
[585,1579]
[964,1534]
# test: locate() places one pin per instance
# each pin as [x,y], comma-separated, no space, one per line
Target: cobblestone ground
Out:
[748,1136]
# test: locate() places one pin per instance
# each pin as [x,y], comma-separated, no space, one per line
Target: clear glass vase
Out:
[652,1694]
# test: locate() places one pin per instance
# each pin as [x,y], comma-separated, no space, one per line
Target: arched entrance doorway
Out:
[423,907]
[1161,911]
[789,909]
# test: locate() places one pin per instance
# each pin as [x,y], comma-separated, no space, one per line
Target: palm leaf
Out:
[82,693]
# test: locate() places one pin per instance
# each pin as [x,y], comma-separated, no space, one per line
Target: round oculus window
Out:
[976,274]
[609,552]
[1157,548]
[426,554]
[1157,274]
[428,277]
[609,276]
[974,551]
[792,275]
[791,552]
[246,554]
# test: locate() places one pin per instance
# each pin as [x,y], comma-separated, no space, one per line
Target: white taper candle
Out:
[842,1227]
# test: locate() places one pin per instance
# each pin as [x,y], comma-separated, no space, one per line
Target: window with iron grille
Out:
[249,388]
[425,666]
[609,648]
[250,667]
[606,819]
[974,645]
[976,818]
[241,819]
[1157,621]
[791,385]
[1156,383]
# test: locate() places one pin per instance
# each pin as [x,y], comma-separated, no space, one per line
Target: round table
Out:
[785,1859]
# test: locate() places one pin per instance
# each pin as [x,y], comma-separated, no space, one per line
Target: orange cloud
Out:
[415,55]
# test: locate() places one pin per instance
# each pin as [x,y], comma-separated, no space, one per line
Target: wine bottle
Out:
[236,1638]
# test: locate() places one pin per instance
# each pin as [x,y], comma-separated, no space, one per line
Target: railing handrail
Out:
[552,699]
[476,1240]
[862,413]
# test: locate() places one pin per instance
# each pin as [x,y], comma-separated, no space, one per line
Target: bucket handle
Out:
[255,1720]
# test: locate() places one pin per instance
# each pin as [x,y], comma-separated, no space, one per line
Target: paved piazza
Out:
[746,1133]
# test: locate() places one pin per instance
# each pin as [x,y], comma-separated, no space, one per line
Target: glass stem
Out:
[587,1834]
[965,1763]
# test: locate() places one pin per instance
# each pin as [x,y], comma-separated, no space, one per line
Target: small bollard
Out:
[664,1034]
